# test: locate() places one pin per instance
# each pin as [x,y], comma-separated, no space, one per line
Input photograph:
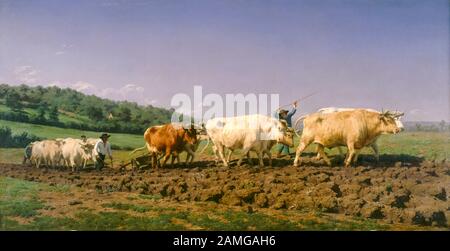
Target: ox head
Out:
[391,121]
[287,134]
[87,148]
[190,135]
[201,130]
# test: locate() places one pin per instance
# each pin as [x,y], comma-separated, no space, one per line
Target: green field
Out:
[49,132]
[62,116]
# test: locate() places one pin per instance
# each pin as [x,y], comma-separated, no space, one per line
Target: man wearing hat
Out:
[102,148]
[287,116]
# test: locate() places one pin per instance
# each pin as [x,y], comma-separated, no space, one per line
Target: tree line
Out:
[47,105]
[7,139]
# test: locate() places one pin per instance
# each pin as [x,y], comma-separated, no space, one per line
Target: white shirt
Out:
[102,148]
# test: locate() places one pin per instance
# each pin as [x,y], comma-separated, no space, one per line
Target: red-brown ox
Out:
[168,139]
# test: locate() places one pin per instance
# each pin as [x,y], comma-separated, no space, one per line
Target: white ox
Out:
[76,153]
[47,152]
[374,144]
[249,133]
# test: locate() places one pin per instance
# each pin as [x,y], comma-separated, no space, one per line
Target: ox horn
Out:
[398,114]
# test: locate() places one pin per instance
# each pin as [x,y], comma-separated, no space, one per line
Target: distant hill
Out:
[68,108]
[430,126]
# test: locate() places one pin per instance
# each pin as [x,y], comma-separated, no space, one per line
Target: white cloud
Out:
[132,88]
[57,83]
[26,74]
[67,46]
[63,49]
[415,111]
[85,87]
[128,92]
[150,101]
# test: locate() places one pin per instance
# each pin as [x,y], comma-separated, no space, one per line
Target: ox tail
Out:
[206,146]
[138,149]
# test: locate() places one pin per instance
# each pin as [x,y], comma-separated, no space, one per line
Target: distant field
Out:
[50,132]
[63,116]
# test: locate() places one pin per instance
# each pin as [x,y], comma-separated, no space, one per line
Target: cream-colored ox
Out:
[354,128]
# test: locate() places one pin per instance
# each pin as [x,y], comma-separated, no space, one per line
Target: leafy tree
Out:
[12,100]
[53,114]
[41,112]
[95,113]
[124,113]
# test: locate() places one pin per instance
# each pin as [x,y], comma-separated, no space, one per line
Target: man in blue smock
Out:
[285,115]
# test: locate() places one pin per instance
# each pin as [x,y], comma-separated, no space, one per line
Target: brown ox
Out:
[168,139]
[354,129]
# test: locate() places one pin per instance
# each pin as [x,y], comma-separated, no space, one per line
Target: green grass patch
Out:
[124,206]
[150,196]
[19,198]
[50,132]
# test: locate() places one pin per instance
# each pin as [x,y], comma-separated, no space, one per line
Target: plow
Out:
[138,160]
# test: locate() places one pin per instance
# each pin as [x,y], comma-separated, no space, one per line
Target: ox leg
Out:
[350,155]
[190,155]
[216,154]
[269,155]
[244,154]
[249,159]
[84,163]
[260,157]
[321,152]
[177,156]
[317,158]
[229,155]
[375,151]
[355,159]
[166,157]
[221,155]
[72,165]
[154,158]
[173,160]
[301,147]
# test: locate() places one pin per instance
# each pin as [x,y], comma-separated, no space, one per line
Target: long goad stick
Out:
[300,99]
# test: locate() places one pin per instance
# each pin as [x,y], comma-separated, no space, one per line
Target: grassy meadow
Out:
[50,132]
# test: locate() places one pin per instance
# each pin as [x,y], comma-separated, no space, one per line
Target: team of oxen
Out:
[68,152]
[328,128]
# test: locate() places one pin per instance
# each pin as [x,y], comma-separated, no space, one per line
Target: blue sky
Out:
[377,54]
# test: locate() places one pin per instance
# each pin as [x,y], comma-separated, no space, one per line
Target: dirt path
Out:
[416,195]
